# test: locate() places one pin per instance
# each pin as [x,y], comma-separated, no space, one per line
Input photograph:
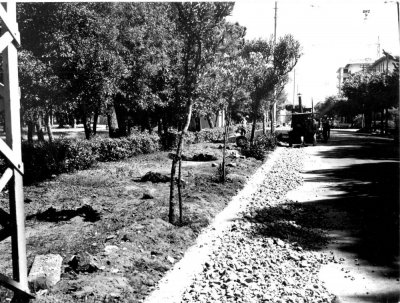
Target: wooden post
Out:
[12,151]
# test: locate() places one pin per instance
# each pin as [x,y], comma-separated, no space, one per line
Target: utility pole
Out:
[378,49]
[312,107]
[273,122]
[294,86]
[398,105]
[276,10]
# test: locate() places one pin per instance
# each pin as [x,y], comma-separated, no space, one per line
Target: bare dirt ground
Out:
[101,214]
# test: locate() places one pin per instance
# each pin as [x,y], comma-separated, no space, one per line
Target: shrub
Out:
[170,139]
[209,135]
[77,155]
[108,149]
[261,145]
[44,159]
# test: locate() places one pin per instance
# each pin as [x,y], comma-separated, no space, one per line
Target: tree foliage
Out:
[270,66]
[371,92]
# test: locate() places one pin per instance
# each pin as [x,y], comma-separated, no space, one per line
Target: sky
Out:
[331,33]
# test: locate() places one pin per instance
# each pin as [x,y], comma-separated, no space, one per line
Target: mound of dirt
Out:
[200,157]
[155,178]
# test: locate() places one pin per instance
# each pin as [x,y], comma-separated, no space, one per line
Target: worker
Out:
[326,128]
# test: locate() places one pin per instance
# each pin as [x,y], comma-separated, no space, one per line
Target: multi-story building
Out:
[384,64]
[350,68]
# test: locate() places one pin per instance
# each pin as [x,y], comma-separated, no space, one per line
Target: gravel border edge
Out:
[172,286]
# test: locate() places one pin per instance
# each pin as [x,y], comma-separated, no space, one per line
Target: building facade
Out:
[384,64]
[351,68]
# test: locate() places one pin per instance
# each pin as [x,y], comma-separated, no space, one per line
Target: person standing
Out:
[326,128]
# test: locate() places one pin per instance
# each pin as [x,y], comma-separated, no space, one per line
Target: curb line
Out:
[172,286]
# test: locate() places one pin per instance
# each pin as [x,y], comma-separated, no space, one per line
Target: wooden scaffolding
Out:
[13,223]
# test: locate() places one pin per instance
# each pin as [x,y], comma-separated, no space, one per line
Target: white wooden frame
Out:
[13,223]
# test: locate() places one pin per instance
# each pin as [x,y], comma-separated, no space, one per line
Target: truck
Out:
[304,130]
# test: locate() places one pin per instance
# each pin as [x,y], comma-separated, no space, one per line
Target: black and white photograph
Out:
[200,151]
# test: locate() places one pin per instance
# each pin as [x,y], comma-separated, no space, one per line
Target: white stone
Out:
[45,271]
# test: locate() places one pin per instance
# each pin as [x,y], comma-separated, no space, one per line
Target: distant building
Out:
[200,122]
[384,64]
[350,69]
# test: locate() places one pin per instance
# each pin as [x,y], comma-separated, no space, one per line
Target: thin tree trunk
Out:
[273,117]
[253,130]
[210,121]
[386,121]
[264,122]
[72,121]
[159,127]
[148,124]
[87,127]
[177,157]
[95,120]
[382,114]
[39,130]
[224,150]
[49,130]
[180,191]
[31,127]
[112,122]
[121,118]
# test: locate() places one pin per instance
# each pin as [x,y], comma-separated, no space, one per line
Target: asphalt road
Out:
[354,180]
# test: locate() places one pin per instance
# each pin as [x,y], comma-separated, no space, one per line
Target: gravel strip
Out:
[233,261]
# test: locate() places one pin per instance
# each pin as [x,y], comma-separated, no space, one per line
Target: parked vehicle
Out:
[304,130]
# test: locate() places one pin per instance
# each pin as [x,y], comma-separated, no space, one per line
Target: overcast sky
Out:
[332,34]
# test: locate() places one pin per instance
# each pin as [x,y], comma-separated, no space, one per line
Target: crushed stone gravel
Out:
[246,265]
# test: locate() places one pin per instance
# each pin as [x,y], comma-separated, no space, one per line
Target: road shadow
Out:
[292,222]
[367,180]
[367,209]
[362,202]
[361,147]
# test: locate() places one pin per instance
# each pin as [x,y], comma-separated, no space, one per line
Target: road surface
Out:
[354,180]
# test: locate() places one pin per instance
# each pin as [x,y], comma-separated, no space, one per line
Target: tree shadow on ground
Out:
[367,208]
[361,147]
[52,215]
[362,202]
[368,203]
[386,297]
[292,222]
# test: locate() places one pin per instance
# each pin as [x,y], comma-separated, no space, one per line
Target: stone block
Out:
[45,272]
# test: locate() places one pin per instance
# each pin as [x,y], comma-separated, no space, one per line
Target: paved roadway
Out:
[354,179]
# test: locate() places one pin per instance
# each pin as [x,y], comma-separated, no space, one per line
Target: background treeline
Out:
[144,66]
[141,65]
[369,100]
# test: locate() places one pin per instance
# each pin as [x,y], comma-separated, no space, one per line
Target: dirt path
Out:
[354,181]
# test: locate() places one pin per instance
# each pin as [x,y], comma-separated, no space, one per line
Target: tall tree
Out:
[78,41]
[271,65]
[223,85]
[40,93]
[198,27]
